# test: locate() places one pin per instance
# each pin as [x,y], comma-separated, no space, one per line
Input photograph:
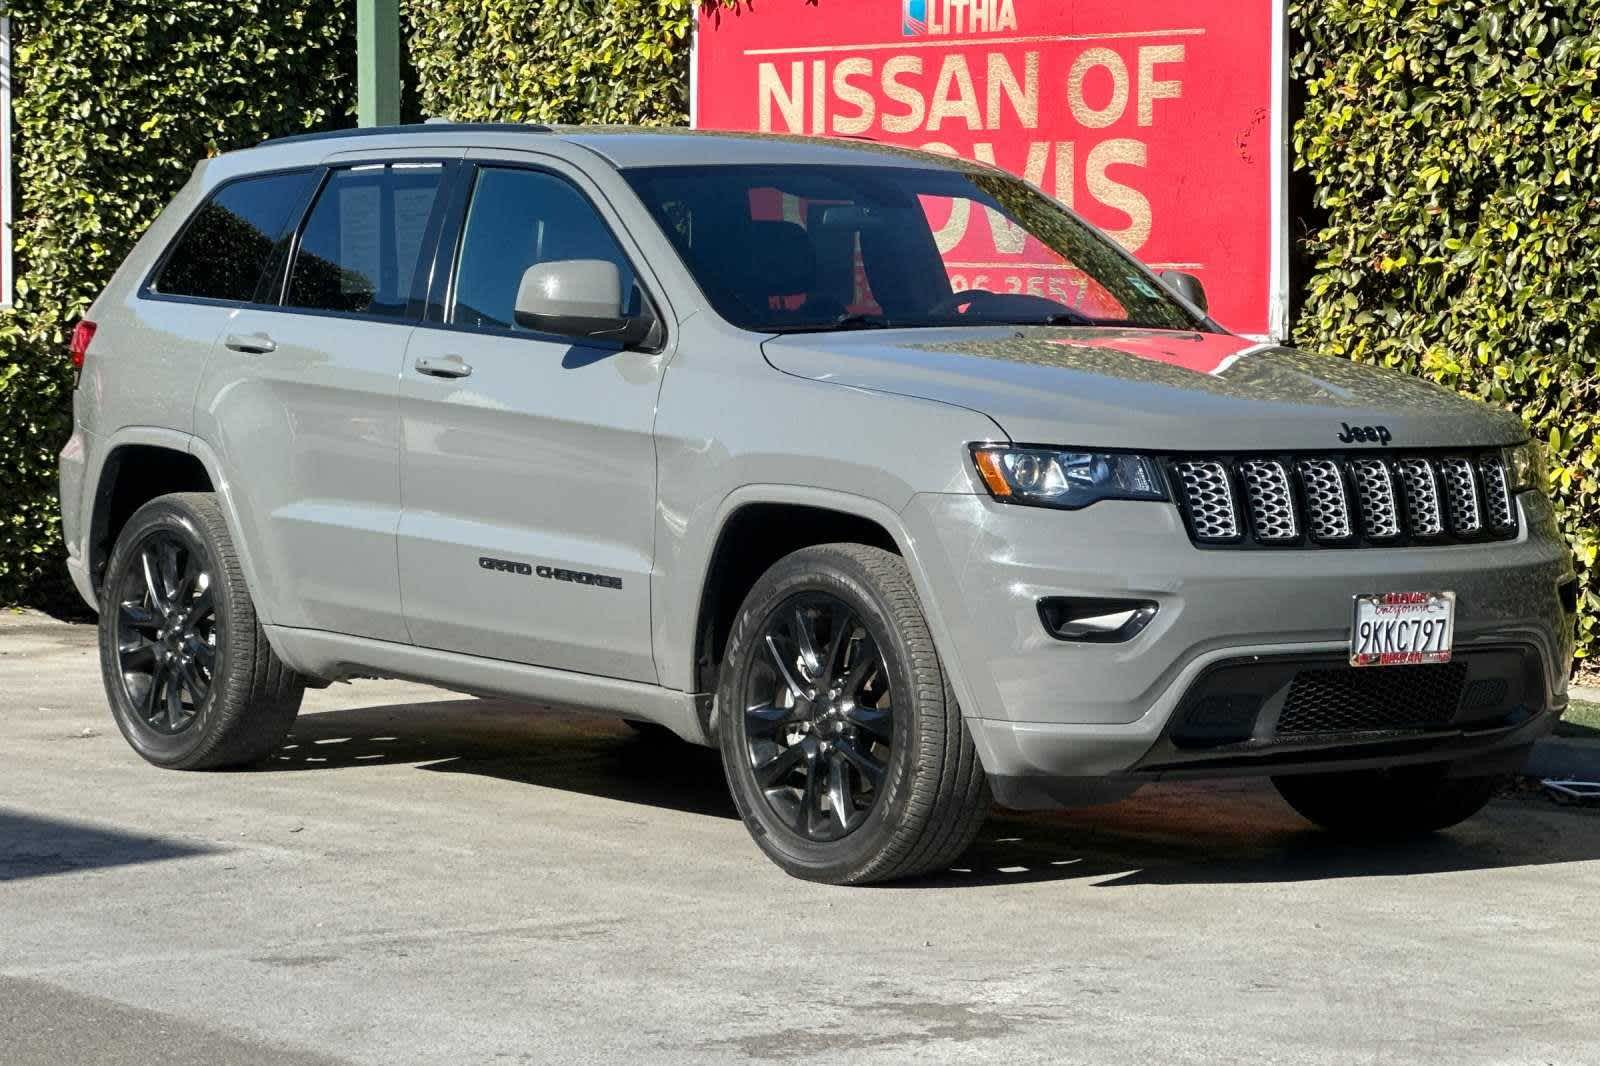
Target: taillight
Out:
[82,334]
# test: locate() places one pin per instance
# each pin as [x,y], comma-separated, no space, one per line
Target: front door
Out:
[527,460]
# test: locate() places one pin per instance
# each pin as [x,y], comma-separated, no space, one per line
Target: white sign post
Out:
[7,289]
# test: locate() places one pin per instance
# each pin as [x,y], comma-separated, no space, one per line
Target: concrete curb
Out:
[1565,759]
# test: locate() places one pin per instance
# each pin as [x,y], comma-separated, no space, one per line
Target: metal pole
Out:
[378,62]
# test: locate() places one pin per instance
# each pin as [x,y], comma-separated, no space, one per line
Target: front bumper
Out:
[1044,710]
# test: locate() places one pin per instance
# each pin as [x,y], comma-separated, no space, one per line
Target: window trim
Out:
[147,289]
[427,253]
[447,261]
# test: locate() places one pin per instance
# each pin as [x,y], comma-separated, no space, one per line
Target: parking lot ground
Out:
[426,878]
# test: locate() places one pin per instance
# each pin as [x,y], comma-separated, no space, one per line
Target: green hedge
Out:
[1453,152]
[113,102]
[615,61]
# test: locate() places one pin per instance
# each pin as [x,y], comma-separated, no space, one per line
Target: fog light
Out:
[1088,620]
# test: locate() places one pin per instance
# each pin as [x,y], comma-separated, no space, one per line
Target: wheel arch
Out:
[148,452]
[779,520]
[138,464]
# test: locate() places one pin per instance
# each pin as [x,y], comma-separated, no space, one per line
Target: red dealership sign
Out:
[1162,124]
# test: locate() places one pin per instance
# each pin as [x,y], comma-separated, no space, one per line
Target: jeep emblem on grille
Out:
[1364,434]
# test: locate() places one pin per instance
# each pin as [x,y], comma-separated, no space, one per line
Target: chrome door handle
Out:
[250,343]
[449,366]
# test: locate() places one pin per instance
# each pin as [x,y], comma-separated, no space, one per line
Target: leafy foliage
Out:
[607,61]
[113,102]
[1453,149]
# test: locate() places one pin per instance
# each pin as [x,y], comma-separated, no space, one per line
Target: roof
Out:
[627,146]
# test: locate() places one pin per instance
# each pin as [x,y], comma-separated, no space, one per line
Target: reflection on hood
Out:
[1133,388]
[1217,363]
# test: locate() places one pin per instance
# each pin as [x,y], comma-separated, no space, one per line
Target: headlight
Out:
[1062,477]
[1526,467]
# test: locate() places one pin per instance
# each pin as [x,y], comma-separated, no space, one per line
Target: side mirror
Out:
[1188,286]
[579,298]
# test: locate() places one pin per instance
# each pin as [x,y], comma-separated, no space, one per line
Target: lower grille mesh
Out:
[1346,700]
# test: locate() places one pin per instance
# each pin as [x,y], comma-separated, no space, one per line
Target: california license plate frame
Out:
[1403,628]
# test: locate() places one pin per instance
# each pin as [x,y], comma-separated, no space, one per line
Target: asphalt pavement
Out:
[421,877]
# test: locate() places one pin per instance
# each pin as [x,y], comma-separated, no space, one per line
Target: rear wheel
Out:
[192,682]
[1377,804]
[841,738]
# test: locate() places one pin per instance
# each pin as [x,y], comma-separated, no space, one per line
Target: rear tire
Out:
[192,681]
[844,747]
[1387,804]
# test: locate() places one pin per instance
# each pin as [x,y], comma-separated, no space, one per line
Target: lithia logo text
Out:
[940,18]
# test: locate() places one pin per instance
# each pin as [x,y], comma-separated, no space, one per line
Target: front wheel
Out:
[192,681]
[842,741]
[1386,804]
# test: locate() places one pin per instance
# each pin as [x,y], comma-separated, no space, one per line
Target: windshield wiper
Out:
[1066,318]
[847,321]
[859,321]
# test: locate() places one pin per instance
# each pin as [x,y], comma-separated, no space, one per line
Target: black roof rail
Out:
[420,127]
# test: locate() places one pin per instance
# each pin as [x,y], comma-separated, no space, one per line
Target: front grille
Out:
[1359,701]
[1344,501]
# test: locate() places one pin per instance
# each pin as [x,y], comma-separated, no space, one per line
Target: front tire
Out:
[1387,804]
[841,738]
[192,681]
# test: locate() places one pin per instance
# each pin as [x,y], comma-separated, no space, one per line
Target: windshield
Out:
[792,249]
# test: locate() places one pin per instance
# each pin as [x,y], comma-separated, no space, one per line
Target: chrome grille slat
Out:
[1461,496]
[1340,500]
[1497,494]
[1327,501]
[1213,512]
[1423,510]
[1380,510]
[1266,486]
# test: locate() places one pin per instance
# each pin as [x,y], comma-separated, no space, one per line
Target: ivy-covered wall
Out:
[609,61]
[1452,151]
[1446,159]
[113,102]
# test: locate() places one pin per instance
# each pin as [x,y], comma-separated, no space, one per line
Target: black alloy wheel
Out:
[166,630]
[844,747]
[192,680]
[819,717]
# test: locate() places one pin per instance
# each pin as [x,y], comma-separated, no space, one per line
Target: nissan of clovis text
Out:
[696,430]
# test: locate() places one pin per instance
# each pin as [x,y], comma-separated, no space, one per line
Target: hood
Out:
[1149,389]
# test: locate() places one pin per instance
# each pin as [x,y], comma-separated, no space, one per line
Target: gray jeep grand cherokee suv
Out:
[724,434]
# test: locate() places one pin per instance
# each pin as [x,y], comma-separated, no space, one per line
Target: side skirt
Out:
[335,657]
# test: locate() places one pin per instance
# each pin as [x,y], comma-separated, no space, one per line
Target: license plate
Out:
[1403,629]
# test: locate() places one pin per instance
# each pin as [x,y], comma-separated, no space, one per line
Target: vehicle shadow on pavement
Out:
[1241,833]
[35,846]
[1168,834]
[574,752]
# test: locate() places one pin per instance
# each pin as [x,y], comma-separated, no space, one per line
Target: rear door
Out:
[301,396]
[529,471]
[160,341]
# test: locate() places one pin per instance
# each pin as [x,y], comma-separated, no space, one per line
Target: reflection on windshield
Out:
[806,248]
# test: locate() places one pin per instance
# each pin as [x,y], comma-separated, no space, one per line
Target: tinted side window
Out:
[519,218]
[363,240]
[228,243]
